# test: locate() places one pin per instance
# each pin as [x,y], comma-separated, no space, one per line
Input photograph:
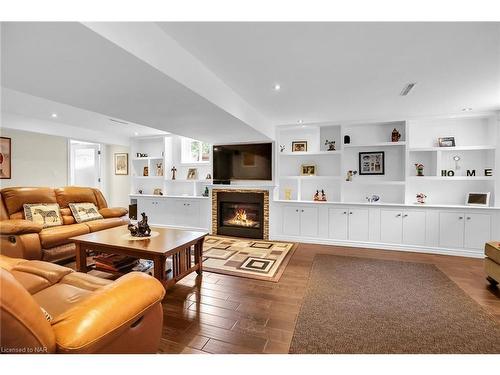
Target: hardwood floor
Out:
[227,314]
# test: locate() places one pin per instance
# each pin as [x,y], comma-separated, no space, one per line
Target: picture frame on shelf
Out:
[308,170]
[192,174]
[121,163]
[372,163]
[446,142]
[5,158]
[477,199]
[299,146]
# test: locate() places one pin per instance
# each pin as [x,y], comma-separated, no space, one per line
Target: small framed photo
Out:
[372,163]
[121,164]
[478,199]
[299,146]
[446,142]
[308,170]
[5,158]
[192,174]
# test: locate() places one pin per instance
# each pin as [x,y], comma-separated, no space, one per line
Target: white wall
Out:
[37,159]
[117,186]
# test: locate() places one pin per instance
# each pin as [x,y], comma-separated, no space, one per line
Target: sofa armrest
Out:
[113,212]
[19,226]
[108,313]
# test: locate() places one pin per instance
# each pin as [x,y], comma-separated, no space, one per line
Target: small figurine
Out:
[330,144]
[173,170]
[374,198]
[350,174]
[420,169]
[323,196]
[421,198]
[396,136]
[205,193]
[288,194]
[209,176]
[157,191]
[139,191]
[159,169]
[142,228]
[316,196]
[347,139]
[282,148]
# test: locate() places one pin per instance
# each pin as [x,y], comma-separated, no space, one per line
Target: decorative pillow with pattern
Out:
[85,212]
[47,214]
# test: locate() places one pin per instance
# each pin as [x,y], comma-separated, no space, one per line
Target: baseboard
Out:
[382,246]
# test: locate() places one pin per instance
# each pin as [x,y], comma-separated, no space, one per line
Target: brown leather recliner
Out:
[20,238]
[83,313]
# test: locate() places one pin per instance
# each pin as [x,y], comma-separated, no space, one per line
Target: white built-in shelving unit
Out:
[476,138]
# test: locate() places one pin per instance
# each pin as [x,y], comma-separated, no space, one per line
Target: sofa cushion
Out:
[58,253]
[98,225]
[15,197]
[113,212]
[46,214]
[492,251]
[83,212]
[85,281]
[75,194]
[59,298]
[50,237]
[32,283]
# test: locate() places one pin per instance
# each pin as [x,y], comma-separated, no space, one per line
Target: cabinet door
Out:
[152,208]
[391,226]
[337,223]
[358,224]
[451,229]
[291,220]
[309,221]
[414,228]
[187,214]
[477,230]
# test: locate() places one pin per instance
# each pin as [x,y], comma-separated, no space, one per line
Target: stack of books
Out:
[115,263]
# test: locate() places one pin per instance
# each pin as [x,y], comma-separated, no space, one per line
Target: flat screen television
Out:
[243,162]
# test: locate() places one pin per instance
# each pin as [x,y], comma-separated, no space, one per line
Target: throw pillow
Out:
[47,214]
[85,212]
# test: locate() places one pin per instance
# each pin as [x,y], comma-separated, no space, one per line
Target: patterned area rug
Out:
[254,259]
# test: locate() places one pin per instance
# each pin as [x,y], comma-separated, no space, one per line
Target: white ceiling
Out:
[71,64]
[350,71]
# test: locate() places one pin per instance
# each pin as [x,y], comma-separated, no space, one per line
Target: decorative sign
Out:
[488,172]
[447,173]
[471,173]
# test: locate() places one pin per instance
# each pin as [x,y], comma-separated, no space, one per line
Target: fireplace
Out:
[240,213]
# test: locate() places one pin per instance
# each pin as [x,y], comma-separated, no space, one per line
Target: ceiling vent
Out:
[406,90]
[118,121]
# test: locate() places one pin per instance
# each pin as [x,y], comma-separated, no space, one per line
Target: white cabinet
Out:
[187,213]
[414,228]
[406,227]
[154,208]
[300,220]
[477,230]
[459,229]
[358,224]
[337,223]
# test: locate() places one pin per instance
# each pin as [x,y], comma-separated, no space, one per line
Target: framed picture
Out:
[192,174]
[121,163]
[478,199]
[446,142]
[5,158]
[308,170]
[372,163]
[299,146]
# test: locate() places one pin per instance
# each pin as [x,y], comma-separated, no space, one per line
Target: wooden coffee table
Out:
[175,243]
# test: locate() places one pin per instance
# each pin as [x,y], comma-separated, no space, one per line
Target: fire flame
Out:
[240,218]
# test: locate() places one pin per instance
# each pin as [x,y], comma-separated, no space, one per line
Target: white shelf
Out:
[457,148]
[454,178]
[379,144]
[167,196]
[148,158]
[311,177]
[311,153]
[148,177]
[374,182]
[188,181]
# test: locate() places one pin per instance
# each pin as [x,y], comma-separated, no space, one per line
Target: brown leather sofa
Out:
[83,313]
[20,238]
[492,262]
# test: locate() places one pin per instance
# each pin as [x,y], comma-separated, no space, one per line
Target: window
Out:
[193,151]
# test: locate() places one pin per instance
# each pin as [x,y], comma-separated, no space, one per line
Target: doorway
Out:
[85,164]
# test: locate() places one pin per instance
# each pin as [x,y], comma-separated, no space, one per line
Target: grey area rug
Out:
[356,305]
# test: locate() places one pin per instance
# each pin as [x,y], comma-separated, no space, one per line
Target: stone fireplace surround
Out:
[215,208]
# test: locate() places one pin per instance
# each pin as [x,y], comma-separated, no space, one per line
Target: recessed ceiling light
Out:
[466,109]
[53,115]
[135,133]
[277,87]
[300,121]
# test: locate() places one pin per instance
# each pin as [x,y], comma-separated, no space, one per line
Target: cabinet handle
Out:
[398,215]
[460,217]
[296,210]
[301,210]
[468,217]
[345,212]
[405,215]
[350,213]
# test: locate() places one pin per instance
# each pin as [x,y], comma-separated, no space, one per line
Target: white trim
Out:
[382,246]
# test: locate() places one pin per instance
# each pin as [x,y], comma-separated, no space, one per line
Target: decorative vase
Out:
[420,169]
[396,136]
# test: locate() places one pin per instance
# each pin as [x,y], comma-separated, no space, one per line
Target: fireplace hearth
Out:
[239,213]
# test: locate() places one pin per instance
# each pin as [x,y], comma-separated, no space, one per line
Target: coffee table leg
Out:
[81,259]
[159,269]
[198,256]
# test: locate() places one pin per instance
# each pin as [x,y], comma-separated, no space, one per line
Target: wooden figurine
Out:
[395,136]
[142,228]
[323,196]
[159,169]
[173,170]
[316,197]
